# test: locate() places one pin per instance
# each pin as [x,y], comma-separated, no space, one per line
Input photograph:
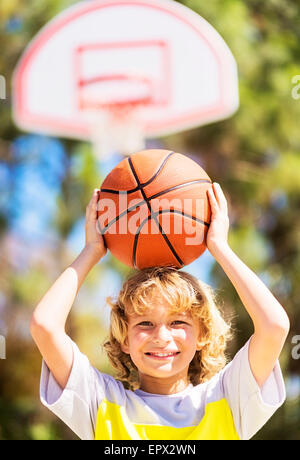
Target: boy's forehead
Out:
[155,310]
[157,304]
[150,300]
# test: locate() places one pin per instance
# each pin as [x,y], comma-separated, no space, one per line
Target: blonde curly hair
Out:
[183,292]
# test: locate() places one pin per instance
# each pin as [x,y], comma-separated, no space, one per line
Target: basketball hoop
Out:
[118,128]
[115,100]
[115,73]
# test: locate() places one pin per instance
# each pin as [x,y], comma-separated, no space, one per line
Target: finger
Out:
[220,197]
[90,203]
[92,206]
[212,200]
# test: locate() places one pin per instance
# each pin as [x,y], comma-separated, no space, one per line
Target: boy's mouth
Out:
[162,355]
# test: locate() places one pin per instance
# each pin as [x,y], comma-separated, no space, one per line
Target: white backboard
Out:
[157,54]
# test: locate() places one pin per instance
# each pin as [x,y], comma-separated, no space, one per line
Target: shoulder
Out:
[113,389]
[104,385]
[251,405]
[85,380]
[210,391]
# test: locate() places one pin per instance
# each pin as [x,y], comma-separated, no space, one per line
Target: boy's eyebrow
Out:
[150,315]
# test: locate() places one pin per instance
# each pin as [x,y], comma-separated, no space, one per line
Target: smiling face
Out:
[162,343]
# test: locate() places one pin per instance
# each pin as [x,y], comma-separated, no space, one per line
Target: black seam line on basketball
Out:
[108,190]
[98,227]
[159,226]
[119,192]
[123,192]
[136,236]
[185,184]
[189,216]
[158,171]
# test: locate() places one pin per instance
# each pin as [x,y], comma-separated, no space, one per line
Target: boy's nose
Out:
[162,334]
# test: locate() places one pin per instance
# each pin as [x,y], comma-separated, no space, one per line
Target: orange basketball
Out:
[153,209]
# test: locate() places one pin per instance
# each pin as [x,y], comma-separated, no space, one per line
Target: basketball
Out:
[153,209]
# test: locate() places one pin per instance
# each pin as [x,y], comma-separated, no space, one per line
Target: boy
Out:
[167,338]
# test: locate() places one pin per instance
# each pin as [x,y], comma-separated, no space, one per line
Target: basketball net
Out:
[117,129]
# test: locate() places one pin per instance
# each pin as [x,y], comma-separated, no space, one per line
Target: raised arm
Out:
[48,320]
[271,323]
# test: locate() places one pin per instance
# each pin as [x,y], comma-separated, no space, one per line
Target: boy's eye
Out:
[145,323]
[148,323]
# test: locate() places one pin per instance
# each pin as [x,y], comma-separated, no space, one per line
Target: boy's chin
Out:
[163,371]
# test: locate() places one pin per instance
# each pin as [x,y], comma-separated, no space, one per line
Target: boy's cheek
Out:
[141,336]
[181,334]
[188,338]
[136,340]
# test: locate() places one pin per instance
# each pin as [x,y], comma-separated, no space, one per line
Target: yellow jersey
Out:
[229,406]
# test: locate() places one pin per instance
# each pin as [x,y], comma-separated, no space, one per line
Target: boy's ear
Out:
[125,346]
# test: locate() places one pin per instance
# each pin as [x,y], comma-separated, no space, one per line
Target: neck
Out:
[167,386]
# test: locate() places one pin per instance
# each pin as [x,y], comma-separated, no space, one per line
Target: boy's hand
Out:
[93,238]
[219,225]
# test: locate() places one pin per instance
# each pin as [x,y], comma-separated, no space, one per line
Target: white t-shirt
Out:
[229,406]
